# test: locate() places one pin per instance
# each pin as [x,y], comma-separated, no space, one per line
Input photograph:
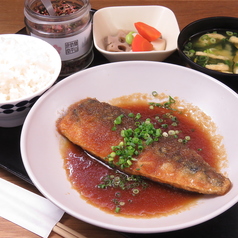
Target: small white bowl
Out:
[108,21]
[33,74]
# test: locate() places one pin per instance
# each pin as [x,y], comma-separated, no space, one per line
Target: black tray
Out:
[223,226]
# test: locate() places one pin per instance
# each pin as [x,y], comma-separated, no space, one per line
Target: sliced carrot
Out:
[148,32]
[139,43]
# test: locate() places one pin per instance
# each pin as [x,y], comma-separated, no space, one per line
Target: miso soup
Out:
[215,50]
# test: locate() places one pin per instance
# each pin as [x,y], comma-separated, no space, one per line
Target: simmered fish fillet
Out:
[89,123]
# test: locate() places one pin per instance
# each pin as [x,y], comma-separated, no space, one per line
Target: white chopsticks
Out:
[66,232]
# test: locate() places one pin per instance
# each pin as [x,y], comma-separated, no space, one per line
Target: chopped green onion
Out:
[229,33]
[187,138]
[165,134]
[154,93]
[138,116]
[135,191]
[204,37]
[213,40]
[118,120]
[143,134]
[123,182]
[171,132]
[165,105]
[117,210]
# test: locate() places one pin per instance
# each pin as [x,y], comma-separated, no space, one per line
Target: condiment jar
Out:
[69,31]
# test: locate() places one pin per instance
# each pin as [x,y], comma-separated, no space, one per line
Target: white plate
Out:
[40,141]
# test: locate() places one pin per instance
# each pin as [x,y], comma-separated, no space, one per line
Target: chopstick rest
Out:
[31,211]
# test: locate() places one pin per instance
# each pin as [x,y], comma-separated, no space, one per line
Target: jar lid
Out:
[37,18]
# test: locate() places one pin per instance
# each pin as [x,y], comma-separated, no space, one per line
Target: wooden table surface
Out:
[12,20]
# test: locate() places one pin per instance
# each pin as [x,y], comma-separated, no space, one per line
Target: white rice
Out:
[24,68]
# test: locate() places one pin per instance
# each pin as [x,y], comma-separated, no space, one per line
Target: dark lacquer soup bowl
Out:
[219,24]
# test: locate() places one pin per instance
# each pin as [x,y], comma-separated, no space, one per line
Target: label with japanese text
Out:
[71,47]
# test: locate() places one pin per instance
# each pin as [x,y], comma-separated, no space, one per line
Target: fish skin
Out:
[89,123]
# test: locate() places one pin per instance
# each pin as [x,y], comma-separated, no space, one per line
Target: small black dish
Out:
[207,25]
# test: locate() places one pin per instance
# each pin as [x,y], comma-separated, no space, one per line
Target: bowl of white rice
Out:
[28,67]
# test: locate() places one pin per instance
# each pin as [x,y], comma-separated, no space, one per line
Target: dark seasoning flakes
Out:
[61,8]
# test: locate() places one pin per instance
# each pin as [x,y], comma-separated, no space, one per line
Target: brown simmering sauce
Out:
[139,198]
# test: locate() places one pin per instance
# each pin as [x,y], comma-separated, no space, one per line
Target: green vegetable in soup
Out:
[235,68]
[215,51]
[209,39]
